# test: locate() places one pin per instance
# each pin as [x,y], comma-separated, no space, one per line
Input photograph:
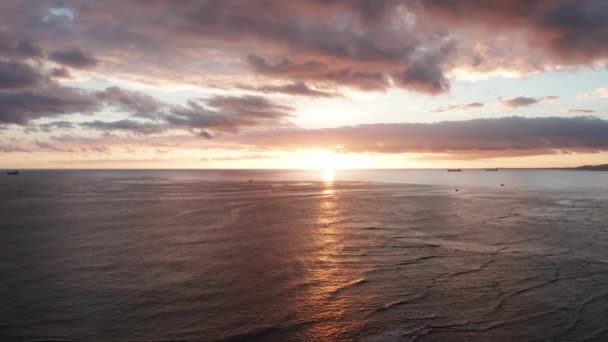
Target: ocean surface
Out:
[376,255]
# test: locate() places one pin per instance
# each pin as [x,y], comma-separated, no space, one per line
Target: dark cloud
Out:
[360,44]
[249,106]
[205,134]
[18,48]
[302,48]
[202,117]
[347,45]
[473,105]
[425,72]
[131,101]
[60,73]
[295,88]
[230,114]
[17,75]
[126,125]
[305,31]
[581,111]
[21,107]
[285,66]
[424,76]
[466,106]
[515,134]
[50,126]
[522,101]
[74,57]
[566,31]
[318,71]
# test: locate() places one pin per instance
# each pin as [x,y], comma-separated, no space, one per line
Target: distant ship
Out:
[12,173]
[454,170]
[494,169]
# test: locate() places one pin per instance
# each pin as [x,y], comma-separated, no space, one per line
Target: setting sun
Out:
[328,161]
[325,160]
[328,175]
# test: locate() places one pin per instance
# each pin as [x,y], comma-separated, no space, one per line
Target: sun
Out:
[334,159]
[328,175]
[320,159]
[328,161]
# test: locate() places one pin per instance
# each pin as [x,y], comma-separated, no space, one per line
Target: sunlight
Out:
[328,175]
[328,160]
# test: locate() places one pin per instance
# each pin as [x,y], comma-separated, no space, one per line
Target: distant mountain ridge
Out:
[602,167]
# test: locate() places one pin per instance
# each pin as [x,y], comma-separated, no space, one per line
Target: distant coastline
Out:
[602,167]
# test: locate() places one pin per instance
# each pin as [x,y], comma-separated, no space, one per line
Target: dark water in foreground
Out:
[193,256]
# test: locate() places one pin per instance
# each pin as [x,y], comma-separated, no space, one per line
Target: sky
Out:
[308,84]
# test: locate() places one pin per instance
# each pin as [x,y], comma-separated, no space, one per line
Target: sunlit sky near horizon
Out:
[308,84]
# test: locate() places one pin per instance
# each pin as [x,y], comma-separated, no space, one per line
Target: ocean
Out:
[288,255]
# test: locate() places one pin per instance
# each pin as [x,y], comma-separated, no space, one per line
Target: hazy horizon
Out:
[303,168]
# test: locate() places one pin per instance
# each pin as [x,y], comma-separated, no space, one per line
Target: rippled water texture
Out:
[90,257]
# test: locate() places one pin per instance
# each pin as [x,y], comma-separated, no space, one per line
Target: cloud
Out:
[231,113]
[249,106]
[199,117]
[74,57]
[467,106]
[294,88]
[564,31]
[126,125]
[347,51]
[17,75]
[116,161]
[423,76]
[515,134]
[595,94]
[18,48]
[49,147]
[522,101]
[21,107]
[473,105]
[285,68]
[131,101]
[12,148]
[414,45]
[50,126]
[581,111]
[306,48]
[424,73]
[385,39]
[60,73]
[418,72]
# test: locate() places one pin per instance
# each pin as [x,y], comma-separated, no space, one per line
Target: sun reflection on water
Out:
[328,271]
